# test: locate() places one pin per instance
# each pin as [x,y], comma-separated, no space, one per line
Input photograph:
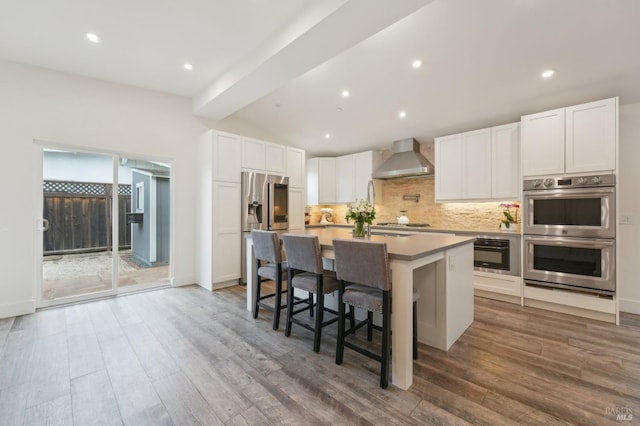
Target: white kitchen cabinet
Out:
[218,209]
[296,208]
[498,286]
[276,158]
[227,232]
[543,143]
[591,136]
[364,164]
[463,166]
[344,179]
[321,181]
[253,154]
[449,168]
[476,163]
[505,167]
[227,155]
[577,139]
[296,167]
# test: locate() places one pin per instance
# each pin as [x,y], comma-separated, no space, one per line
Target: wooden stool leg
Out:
[352,317]
[369,326]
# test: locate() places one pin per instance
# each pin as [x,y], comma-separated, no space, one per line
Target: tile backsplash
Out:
[390,201]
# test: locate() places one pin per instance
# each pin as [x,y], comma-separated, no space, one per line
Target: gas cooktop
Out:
[397,225]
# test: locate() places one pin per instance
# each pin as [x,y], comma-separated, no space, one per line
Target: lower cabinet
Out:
[498,286]
[227,232]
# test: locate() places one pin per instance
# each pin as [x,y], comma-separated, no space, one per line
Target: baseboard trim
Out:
[19,308]
[629,306]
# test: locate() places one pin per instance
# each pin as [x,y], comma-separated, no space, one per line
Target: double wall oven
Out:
[569,233]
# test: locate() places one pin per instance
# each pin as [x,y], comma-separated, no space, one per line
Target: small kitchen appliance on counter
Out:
[403,219]
[327,215]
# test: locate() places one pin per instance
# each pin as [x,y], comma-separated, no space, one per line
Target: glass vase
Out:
[359,231]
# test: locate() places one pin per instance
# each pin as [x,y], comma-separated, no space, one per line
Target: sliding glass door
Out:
[99,237]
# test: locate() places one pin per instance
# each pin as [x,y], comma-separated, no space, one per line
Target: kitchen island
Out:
[439,266]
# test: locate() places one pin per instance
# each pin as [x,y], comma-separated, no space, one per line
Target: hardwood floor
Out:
[188,356]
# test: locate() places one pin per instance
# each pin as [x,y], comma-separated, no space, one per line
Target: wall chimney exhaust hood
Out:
[406,161]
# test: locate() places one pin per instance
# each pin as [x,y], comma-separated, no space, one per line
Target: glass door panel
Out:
[77,211]
[144,224]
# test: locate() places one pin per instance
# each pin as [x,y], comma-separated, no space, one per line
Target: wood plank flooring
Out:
[188,356]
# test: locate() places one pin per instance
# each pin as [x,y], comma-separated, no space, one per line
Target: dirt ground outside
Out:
[74,274]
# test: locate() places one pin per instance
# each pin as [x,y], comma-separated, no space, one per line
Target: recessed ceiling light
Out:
[548,73]
[327,135]
[188,66]
[339,109]
[93,38]
[402,114]
[416,64]
[345,93]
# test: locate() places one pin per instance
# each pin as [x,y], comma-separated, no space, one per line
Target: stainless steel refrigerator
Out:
[265,206]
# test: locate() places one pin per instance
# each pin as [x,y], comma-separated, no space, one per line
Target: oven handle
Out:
[572,242]
[569,192]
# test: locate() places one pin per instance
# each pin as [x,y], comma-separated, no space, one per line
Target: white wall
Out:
[629,198]
[36,104]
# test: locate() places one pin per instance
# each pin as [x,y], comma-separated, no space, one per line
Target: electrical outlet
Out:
[626,219]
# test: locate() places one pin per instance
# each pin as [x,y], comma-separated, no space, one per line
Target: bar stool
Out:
[366,264]
[266,246]
[304,259]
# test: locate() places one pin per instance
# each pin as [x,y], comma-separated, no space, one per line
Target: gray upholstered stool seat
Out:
[304,258]
[270,271]
[365,264]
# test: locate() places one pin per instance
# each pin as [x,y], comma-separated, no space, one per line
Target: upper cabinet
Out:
[296,167]
[577,139]
[321,180]
[340,180]
[253,154]
[505,164]
[227,156]
[478,165]
[275,158]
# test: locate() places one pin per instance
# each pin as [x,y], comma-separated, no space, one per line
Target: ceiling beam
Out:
[325,30]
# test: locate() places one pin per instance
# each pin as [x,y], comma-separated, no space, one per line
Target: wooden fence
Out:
[80,217]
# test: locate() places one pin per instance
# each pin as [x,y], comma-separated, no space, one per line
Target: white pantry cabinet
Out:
[226,156]
[577,139]
[221,159]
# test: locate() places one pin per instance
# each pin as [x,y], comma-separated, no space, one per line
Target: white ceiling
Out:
[280,65]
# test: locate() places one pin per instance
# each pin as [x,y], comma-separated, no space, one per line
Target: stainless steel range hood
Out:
[406,161]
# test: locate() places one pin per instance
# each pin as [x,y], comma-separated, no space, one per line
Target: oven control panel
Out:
[569,182]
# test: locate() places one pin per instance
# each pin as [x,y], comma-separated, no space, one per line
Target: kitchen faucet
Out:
[371,191]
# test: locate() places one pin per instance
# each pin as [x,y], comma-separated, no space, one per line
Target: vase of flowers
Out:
[360,212]
[509,217]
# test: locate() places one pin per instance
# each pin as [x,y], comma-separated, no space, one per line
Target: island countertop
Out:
[401,247]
